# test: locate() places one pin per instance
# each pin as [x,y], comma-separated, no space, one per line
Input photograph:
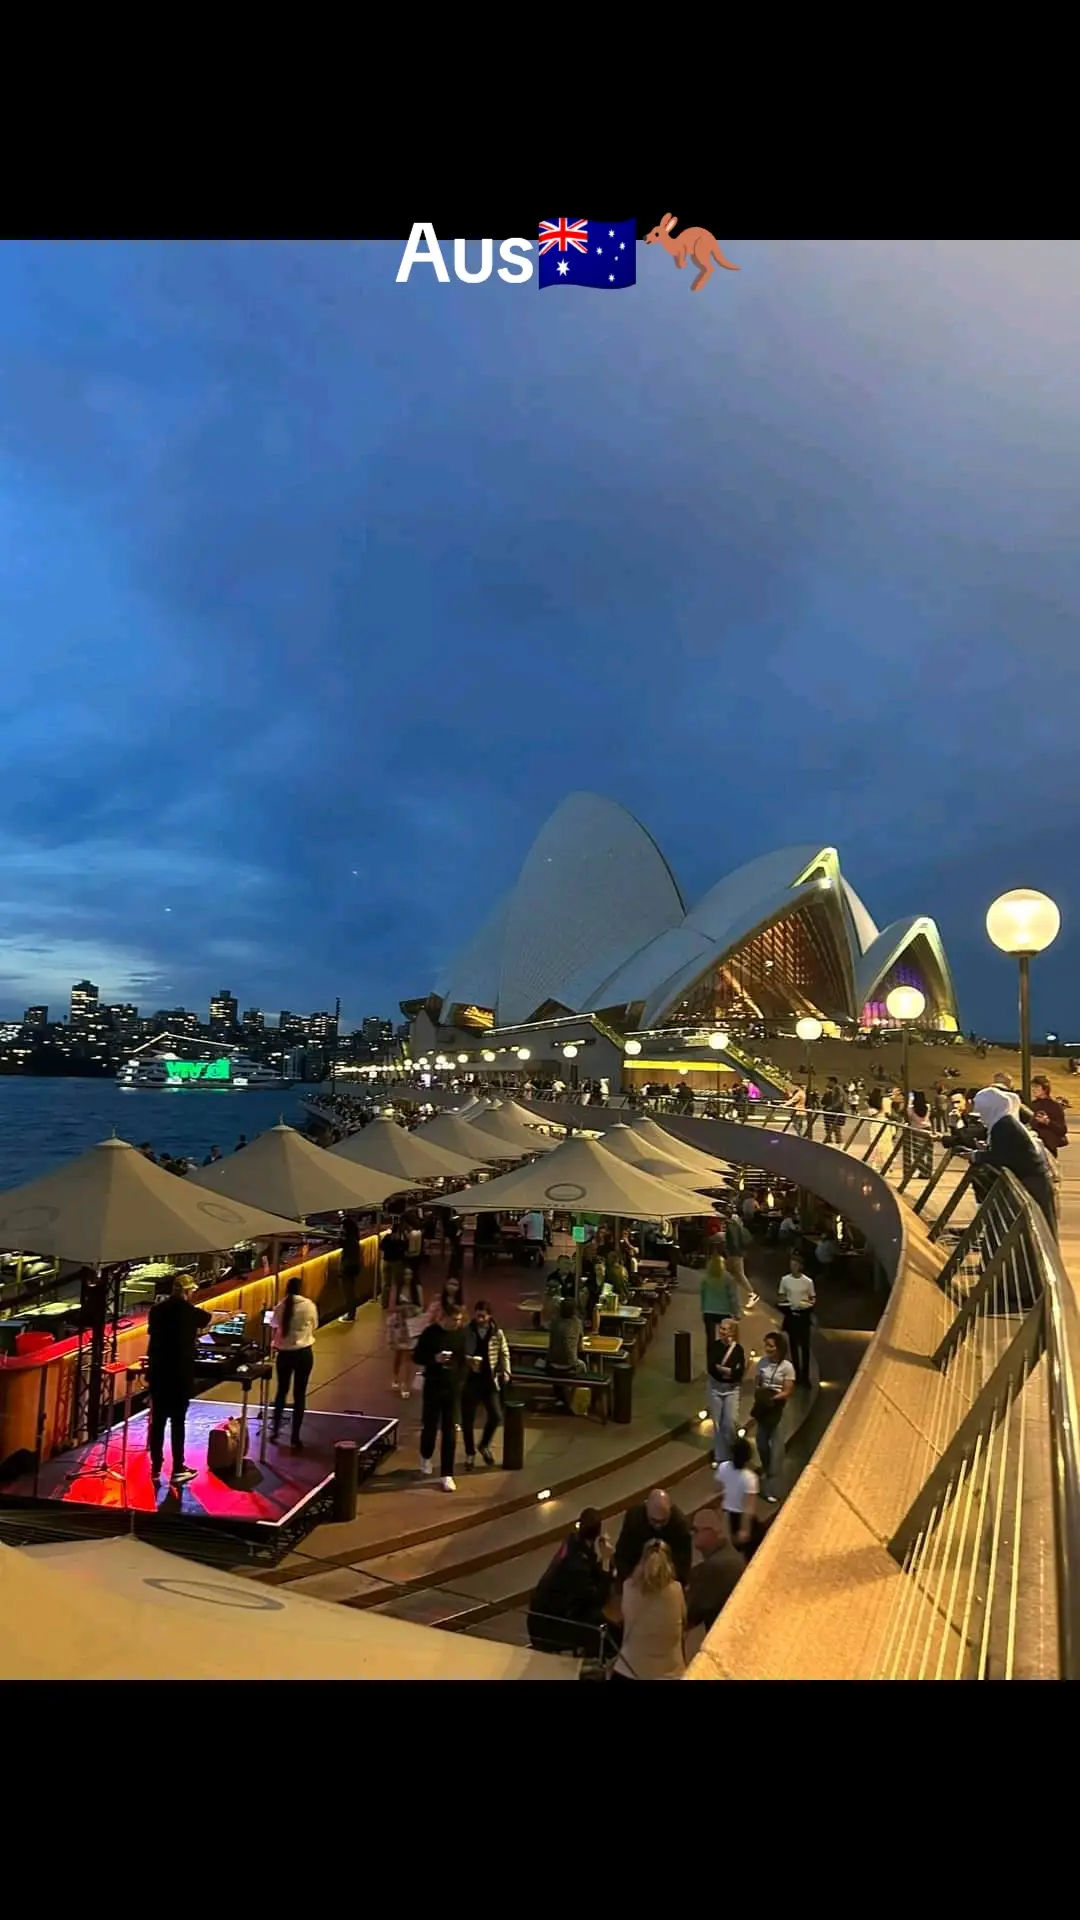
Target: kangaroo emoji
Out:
[695,244]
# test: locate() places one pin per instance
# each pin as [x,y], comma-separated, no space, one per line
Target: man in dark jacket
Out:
[656,1518]
[1048,1115]
[173,1327]
[566,1612]
[487,1354]
[714,1578]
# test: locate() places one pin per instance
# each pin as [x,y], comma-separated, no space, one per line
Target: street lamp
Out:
[808,1030]
[570,1052]
[905,1004]
[463,1059]
[523,1053]
[633,1048]
[1024,923]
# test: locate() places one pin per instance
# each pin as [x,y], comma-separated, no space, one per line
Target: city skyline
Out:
[314,623]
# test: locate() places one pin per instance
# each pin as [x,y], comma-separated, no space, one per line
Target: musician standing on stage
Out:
[174,1326]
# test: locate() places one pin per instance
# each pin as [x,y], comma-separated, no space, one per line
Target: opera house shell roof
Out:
[596,924]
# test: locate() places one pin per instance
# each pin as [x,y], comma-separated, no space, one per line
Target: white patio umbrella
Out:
[455,1134]
[501,1127]
[625,1144]
[662,1142]
[282,1168]
[387,1148]
[114,1204]
[526,1115]
[582,1177]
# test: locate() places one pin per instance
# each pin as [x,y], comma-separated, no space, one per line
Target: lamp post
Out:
[719,1042]
[808,1030]
[905,1004]
[1024,923]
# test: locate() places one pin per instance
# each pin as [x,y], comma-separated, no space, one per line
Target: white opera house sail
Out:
[596,930]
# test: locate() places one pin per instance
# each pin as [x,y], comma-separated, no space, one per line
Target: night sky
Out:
[318,593]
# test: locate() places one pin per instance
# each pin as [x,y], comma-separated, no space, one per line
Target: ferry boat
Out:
[162,1072]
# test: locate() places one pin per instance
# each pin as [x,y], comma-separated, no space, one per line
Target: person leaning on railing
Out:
[1010,1145]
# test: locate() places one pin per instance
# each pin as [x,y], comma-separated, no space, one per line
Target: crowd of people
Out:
[632,1602]
[991,1124]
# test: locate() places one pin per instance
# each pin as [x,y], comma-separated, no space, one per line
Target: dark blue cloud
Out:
[318,593]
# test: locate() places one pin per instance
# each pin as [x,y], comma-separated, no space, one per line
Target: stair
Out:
[454,1579]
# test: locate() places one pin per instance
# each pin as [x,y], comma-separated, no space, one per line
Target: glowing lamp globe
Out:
[523,1053]
[462,1059]
[633,1048]
[905,1003]
[809,1028]
[569,1053]
[488,1055]
[1023,922]
[719,1042]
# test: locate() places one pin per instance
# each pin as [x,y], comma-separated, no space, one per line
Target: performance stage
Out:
[271,1505]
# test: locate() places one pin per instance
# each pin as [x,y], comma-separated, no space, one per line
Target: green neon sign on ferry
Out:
[198,1069]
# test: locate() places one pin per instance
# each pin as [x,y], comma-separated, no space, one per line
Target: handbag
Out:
[415,1327]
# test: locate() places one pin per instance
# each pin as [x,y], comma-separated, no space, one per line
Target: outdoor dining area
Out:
[110,1232]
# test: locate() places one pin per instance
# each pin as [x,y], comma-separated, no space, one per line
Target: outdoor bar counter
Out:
[21,1376]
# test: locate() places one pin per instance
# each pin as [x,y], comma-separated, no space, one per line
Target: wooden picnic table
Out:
[605,1344]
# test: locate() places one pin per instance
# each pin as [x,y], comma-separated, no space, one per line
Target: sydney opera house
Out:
[594,943]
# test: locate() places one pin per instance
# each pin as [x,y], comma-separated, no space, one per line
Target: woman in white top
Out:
[774,1384]
[296,1322]
[654,1619]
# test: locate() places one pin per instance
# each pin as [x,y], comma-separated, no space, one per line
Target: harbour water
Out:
[45,1122]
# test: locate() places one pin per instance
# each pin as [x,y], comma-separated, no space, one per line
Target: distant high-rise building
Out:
[84,1004]
[223,1011]
[291,1025]
[36,1018]
[322,1026]
[253,1021]
[179,1020]
[123,1019]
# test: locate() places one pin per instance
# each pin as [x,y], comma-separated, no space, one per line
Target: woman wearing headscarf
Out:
[1010,1145]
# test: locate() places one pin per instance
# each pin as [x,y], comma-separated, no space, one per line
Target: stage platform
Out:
[271,1506]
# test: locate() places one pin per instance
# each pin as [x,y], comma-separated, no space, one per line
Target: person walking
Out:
[798,1300]
[174,1325]
[351,1263]
[392,1252]
[832,1109]
[654,1619]
[738,1239]
[725,1368]
[487,1354]
[774,1384]
[739,1485]
[720,1298]
[440,1353]
[295,1324]
[406,1305]
[919,1139]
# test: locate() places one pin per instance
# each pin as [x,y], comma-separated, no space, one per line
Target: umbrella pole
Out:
[264,1396]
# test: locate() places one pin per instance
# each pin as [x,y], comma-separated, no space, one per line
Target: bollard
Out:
[684,1362]
[346,1479]
[622,1393]
[513,1435]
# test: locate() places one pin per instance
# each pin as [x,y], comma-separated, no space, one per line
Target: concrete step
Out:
[452,1563]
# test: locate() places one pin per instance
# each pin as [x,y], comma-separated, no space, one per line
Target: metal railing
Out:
[999,1509]
[989,1547]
